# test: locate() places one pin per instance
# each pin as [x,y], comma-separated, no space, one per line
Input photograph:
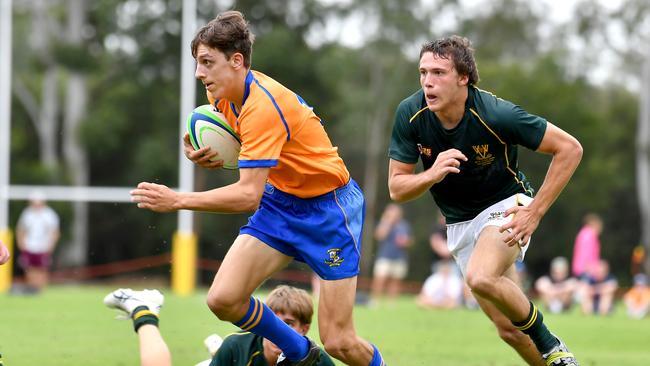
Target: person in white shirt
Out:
[37,234]
[443,289]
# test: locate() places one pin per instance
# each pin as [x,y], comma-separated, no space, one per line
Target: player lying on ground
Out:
[292,305]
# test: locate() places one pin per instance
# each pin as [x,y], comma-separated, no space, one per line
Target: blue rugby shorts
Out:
[323,231]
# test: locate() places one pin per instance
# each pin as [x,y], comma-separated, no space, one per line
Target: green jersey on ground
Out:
[487,135]
[245,349]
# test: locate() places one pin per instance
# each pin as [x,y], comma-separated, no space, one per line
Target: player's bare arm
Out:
[404,185]
[242,196]
[567,152]
[203,156]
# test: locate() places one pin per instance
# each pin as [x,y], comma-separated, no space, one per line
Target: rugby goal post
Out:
[184,241]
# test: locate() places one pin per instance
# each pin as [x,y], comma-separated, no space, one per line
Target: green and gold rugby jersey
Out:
[245,349]
[488,135]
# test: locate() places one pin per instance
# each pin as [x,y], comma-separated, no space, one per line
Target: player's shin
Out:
[535,328]
[261,320]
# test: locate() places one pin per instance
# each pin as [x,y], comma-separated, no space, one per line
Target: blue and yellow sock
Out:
[141,316]
[261,320]
[534,326]
[377,360]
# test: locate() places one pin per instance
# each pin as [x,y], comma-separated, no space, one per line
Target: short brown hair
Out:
[592,218]
[460,50]
[292,301]
[229,33]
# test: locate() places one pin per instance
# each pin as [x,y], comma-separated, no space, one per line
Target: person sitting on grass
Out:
[637,299]
[598,289]
[443,289]
[557,289]
[294,306]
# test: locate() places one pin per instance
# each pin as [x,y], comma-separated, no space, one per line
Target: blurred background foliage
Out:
[129,58]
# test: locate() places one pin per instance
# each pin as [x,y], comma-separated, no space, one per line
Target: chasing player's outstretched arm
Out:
[404,185]
[566,152]
[241,196]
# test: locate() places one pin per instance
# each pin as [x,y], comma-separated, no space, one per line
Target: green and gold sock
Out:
[534,326]
[141,316]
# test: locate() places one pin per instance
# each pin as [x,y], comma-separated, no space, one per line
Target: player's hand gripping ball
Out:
[207,127]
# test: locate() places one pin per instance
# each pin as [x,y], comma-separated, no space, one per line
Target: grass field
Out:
[70,326]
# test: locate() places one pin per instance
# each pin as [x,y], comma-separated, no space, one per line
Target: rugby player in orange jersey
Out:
[306,205]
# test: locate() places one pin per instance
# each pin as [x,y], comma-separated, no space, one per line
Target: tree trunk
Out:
[375,142]
[643,156]
[74,154]
[42,35]
[47,133]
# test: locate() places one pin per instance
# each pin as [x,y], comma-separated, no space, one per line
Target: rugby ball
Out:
[207,127]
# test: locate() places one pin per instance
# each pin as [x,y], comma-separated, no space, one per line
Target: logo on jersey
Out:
[334,260]
[483,156]
[426,151]
[498,215]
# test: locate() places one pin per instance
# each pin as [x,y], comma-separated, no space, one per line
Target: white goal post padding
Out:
[72,193]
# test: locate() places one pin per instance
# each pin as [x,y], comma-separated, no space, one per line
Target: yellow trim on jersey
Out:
[236,334]
[250,360]
[487,92]
[418,112]
[505,150]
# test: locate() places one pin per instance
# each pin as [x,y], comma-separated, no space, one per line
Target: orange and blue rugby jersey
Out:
[279,130]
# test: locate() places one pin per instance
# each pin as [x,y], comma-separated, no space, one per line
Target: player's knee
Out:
[339,347]
[481,284]
[221,305]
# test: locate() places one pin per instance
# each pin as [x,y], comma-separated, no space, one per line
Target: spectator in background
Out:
[557,289]
[637,299]
[438,243]
[443,289]
[394,236]
[37,234]
[438,240]
[522,279]
[4,253]
[597,289]
[586,249]
[637,260]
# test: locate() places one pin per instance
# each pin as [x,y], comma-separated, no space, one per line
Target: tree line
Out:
[96,102]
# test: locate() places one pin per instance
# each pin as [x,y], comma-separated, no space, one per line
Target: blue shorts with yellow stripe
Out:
[323,231]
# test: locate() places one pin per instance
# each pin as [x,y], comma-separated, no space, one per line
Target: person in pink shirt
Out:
[586,250]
